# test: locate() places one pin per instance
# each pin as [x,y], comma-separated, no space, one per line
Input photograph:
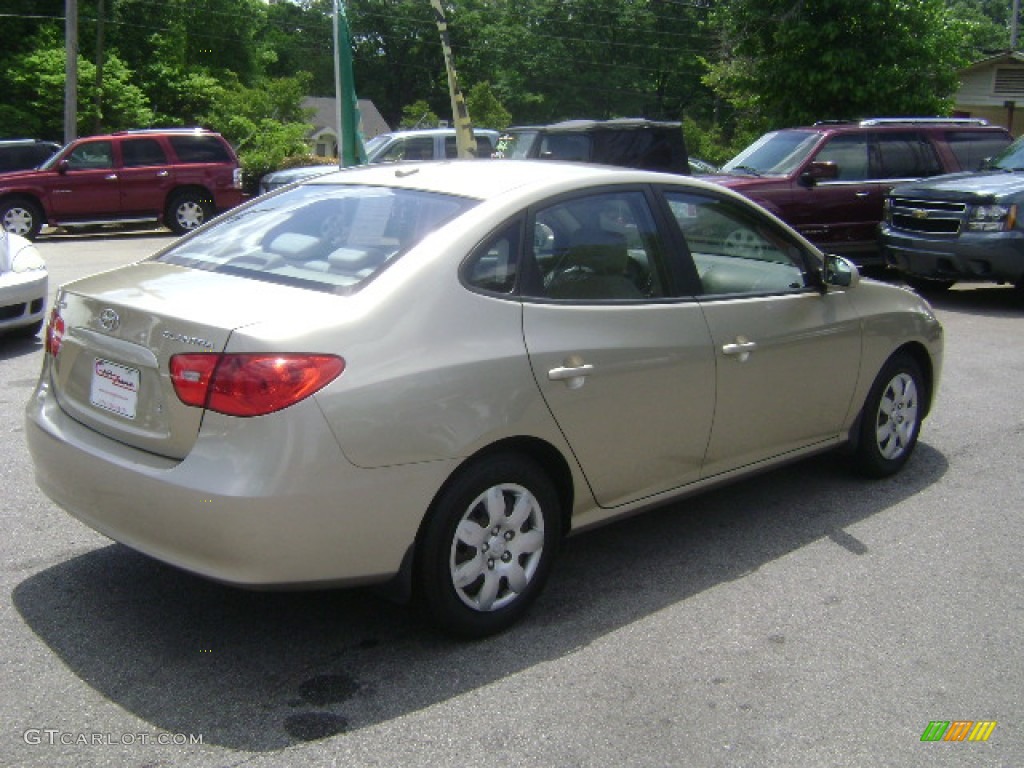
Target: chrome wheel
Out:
[497,547]
[187,211]
[896,421]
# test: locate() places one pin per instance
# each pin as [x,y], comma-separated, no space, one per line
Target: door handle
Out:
[161,174]
[110,177]
[573,376]
[861,194]
[740,349]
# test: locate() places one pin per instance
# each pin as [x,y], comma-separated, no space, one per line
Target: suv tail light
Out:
[236,178]
[250,384]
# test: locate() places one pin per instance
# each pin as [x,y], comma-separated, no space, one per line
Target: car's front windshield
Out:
[778,153]
[328,237]
[1011,158]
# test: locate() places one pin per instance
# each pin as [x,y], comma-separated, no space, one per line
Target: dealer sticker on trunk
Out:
[115,388]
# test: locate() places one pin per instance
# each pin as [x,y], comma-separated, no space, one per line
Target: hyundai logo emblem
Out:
[109,320]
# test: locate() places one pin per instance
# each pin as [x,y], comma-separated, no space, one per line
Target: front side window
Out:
[849,153]
[565,146]
[327,237]
[601,247]
[735,251]
[91,156]
[409,148]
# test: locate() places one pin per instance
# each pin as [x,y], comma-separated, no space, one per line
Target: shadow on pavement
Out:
[261,671]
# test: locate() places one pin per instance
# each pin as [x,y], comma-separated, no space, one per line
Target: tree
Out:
[789,62]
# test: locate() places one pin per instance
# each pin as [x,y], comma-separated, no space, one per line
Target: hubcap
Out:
[497,547]
[190,215]
[896,422]
[18,221]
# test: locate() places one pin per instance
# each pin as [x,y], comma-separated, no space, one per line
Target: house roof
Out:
[325,115]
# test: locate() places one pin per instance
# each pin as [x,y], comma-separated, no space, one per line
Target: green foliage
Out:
[419,115]
[793,63]
[484,108]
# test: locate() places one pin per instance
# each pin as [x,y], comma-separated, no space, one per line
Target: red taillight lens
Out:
[54,332]
[250,384]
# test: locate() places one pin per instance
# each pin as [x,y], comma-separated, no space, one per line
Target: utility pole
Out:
[1014,23]
[98,127]
[71,70]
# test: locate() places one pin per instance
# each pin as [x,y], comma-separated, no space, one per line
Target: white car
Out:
[23,285]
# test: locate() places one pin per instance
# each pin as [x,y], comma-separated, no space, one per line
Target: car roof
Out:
[616,124]
[486,180]
[431,132]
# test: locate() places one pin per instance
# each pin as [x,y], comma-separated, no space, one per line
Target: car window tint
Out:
[565,146]
[327,237]
[850,155]
[494,265]
[199,149]
[137,152]
[972,149]
[734,250]
[92,155]
[905,155]
[597,248]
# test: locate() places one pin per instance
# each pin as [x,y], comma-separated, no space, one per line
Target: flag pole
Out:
[350,140]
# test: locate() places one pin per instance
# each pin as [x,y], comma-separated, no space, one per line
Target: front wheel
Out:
[21,217]
[188,210]
[488,546]
[892,417]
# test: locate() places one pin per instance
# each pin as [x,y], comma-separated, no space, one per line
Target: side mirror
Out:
[840,272]
[62,166]
[819,171]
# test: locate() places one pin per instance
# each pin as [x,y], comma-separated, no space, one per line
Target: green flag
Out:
[350,139]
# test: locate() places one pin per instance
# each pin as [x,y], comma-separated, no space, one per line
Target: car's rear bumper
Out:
[987,257]
[257,502]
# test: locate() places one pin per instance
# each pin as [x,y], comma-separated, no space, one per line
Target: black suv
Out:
[960,227]
[629,142]
[19,154]
[829,180]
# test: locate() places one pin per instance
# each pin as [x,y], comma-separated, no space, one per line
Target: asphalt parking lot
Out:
[805,617]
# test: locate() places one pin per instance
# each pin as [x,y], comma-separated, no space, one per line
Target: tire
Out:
[925,285]
[21,216]
[488,546]
[188,210]
[891,419]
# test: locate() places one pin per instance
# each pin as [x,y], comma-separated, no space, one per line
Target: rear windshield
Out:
[327,237]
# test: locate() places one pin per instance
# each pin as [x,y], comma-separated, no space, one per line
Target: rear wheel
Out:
[892,417]
[21,216]
[188,210]
[488,547]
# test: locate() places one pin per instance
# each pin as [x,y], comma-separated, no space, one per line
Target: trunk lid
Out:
[120,329]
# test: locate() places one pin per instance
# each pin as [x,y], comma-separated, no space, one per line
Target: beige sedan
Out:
[426,375]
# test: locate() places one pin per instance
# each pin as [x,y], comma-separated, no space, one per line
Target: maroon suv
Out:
[829,180]
[177,177]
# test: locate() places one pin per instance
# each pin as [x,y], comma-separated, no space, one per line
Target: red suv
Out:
[178,177]
[829,180]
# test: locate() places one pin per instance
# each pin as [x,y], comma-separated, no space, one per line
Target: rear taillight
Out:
[54,331]
[250,384]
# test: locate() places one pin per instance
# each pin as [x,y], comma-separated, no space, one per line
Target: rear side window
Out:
[484,148]
[139,152]
[905,155]
[200,149]
[972,149]
[327,237]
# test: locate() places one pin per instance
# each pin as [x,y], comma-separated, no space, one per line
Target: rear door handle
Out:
[573,376]
[740,349]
